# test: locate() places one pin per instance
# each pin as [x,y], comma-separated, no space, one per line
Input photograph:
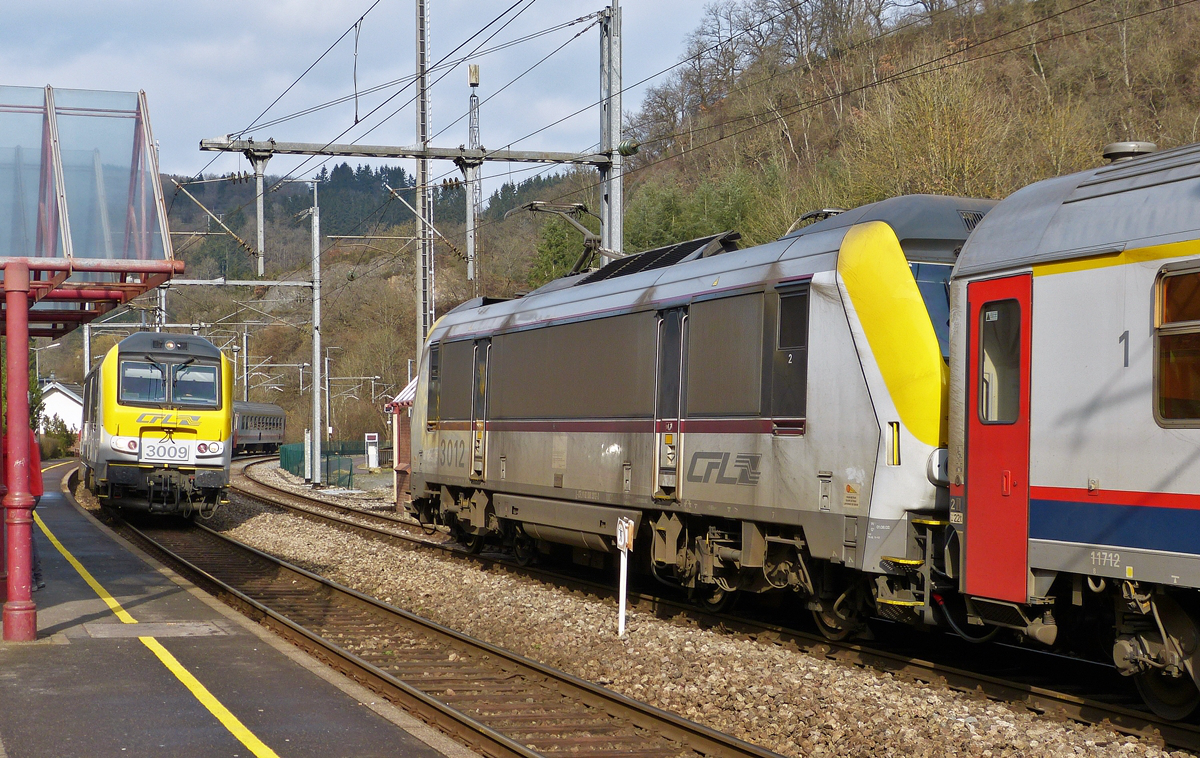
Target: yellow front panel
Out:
[896,322]
[129,420]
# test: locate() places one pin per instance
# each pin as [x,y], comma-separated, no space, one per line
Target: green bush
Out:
[58,441]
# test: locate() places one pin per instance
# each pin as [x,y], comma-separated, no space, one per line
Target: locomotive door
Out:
[997,486]
[668,447]
[479,409]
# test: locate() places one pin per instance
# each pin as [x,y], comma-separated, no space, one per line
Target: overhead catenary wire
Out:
[289,177]
[741,87]
[288,89]
[405,80]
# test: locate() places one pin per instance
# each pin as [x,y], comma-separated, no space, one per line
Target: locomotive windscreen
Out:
[142,382]
[194,385]
[933,282]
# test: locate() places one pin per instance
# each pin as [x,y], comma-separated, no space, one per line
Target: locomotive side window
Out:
[790,362]
[455,376]
[724,355]
[1000,362]
[431,406]
[1177,388]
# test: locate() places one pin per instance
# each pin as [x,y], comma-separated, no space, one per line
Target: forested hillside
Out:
[778,108]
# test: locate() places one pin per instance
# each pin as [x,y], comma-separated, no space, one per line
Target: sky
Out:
[211,68]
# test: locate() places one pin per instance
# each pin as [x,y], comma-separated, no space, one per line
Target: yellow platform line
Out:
[198,690]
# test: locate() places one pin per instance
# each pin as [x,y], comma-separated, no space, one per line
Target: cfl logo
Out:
[745,465]
[163,419]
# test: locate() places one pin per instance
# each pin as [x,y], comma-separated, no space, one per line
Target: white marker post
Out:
[624,544]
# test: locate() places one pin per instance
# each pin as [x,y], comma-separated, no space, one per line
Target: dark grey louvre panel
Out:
[662,257]
[971,219]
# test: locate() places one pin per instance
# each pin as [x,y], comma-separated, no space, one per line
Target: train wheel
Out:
[524,549]
[472,542]
[717,600]
[832,626]
[1171,697]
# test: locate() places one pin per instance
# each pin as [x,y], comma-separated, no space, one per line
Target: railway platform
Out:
[132,660]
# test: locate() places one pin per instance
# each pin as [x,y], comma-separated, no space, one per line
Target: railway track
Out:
[1018,676]
[498,703]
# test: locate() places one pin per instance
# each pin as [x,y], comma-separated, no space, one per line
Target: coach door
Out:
[668,442]
[997,487]
[479,409]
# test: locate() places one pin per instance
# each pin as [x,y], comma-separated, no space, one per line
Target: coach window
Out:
[1000,362]
[1178,349]
[790,363]
[724,354]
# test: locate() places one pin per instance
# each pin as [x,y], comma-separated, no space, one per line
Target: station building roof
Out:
[81,203]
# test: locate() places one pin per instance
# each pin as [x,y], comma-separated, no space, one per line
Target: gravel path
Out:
[772,695]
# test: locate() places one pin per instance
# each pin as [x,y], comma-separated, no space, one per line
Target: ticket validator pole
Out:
[20,613]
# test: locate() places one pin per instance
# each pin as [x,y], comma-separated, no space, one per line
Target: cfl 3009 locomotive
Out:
[157,432]
[938,410]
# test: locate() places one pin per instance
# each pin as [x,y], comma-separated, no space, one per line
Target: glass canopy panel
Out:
[108,175]
[111,194]
[26,176]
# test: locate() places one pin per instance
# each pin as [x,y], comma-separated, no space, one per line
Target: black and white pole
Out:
[624,544]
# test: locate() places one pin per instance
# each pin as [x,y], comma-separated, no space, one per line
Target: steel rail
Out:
[1037,699]
[278,594]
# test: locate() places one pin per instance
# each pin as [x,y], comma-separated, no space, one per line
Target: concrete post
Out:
[20,612]
[259,159]
[316,339]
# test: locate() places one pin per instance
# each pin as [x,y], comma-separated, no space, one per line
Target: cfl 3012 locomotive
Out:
[938,410]
[157,432]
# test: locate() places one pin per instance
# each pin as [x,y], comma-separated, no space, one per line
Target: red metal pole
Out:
[20,612]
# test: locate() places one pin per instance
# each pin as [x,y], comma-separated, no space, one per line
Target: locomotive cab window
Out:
[195,385]
[142,382]
[1177,349]
[1000,362]
[434,389]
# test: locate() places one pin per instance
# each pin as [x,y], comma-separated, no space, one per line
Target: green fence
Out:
[337,469]
[291,458]
[345,447]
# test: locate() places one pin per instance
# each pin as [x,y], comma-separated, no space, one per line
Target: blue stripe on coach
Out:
[1174,530]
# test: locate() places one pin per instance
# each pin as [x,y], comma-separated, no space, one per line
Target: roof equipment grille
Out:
[971,219]
[661,257]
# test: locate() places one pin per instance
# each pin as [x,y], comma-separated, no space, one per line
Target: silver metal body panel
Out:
[831,480]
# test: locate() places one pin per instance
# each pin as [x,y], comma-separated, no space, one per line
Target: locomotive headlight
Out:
[209,448]
[202,447]
[124,444]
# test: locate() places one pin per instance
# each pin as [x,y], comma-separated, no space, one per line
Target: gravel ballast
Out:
[772,695]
